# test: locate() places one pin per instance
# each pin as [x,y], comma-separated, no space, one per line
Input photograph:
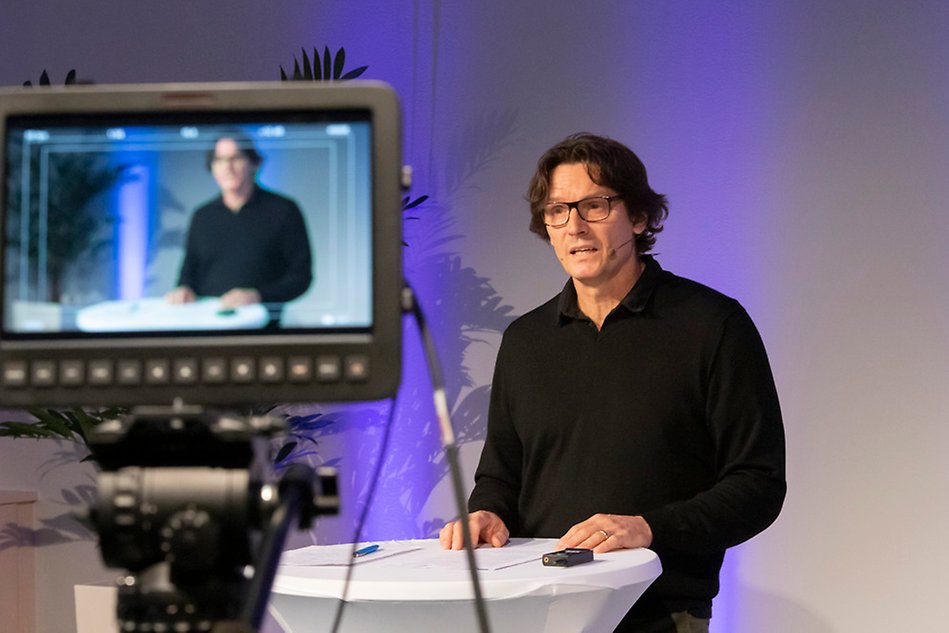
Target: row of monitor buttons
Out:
[185,371]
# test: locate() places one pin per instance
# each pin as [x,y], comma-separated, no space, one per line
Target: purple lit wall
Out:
[803,147]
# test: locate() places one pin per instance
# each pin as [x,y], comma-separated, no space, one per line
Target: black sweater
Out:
[262,246]
[668,412]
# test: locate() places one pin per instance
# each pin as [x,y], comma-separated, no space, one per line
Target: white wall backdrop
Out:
[804,147]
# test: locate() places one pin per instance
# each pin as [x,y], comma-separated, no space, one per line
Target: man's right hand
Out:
[485,526]
[181,294]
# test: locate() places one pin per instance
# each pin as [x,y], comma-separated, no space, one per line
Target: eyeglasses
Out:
[236,159]
[593,209]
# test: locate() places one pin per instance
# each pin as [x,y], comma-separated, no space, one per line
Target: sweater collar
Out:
[254,195]
[568,309]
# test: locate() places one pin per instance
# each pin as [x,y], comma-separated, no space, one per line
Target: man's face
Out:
[592,253]
[231,168]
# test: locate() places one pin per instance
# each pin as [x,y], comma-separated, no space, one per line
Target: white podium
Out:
[423,588]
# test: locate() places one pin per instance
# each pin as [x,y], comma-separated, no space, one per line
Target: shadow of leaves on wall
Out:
[477,146]
[71,524]
[68,527]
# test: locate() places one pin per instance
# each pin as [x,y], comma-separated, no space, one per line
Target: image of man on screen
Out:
[635,408]
[247,246]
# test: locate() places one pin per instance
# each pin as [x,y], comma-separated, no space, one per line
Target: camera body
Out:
[183,506]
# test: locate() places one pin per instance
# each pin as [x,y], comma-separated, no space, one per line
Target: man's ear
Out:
[639,224]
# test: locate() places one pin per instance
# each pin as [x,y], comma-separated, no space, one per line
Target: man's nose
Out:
[575,223]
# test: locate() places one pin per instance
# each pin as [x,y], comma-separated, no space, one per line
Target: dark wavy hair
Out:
[244,143]
[610,164]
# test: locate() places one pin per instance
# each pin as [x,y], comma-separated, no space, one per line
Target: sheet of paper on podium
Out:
[518,551]
[422,555]
[342,555]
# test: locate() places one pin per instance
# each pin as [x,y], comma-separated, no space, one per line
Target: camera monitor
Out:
[219,243]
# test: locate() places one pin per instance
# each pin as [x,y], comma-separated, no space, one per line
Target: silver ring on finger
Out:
[605,534]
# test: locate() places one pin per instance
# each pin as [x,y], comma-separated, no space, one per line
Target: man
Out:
[248,245]
[634,409]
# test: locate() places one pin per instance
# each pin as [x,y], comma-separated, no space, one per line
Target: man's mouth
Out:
[582,249]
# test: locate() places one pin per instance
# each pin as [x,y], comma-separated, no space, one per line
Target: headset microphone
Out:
[613,250]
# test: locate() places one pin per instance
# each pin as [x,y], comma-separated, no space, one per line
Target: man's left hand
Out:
[239,297]
[608,532]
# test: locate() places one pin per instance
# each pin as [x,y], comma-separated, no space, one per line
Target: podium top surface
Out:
[151,314]
[419,570]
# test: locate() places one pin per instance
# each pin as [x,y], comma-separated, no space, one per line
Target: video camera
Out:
[105,191]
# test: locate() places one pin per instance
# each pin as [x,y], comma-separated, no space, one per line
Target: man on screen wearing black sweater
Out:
[248,245]
[635,408]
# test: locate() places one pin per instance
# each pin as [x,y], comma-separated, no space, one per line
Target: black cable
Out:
[361,522]
[451,448]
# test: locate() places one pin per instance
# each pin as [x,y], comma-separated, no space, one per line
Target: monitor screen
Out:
[220,244]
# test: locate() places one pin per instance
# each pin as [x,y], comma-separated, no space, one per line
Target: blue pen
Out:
[369,549]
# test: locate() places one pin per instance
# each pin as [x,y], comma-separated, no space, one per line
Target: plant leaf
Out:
[311,425]
[307,70]
[352,74]
[283,75]
[414,203]
[316,65]
[86,422]
[327,64]
[111,413]
[296,70]
[71,77]
[54,421]
[284,452]
[339,62]
[293,419]
[23,429]
[44,78]
[71,420]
